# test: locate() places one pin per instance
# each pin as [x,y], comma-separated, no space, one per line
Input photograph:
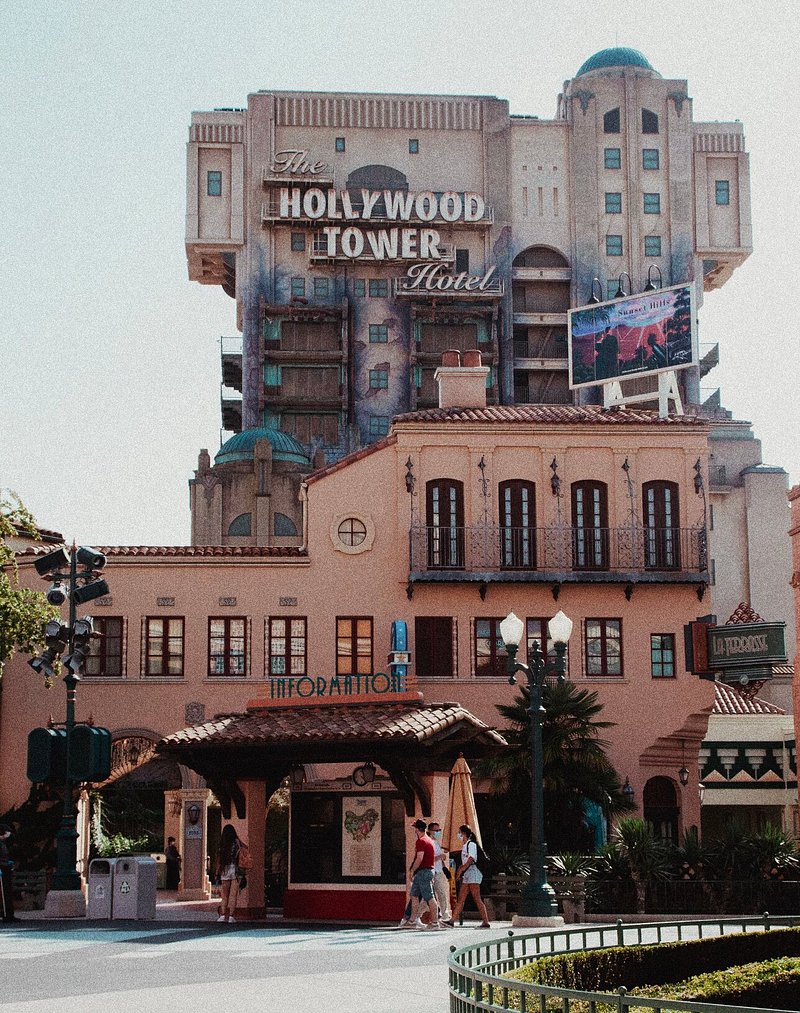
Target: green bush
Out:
[638,966]
[770,983]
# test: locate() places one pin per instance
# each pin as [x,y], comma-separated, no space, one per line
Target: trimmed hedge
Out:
[771,983]
[637,966]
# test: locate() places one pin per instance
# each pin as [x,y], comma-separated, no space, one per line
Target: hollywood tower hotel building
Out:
[363,234]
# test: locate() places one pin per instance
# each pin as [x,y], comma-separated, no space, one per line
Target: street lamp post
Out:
[538,898]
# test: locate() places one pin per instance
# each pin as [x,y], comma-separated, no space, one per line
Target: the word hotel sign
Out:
[746,644]
[328,204]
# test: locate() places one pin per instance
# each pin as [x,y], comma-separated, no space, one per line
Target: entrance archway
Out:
[660,804]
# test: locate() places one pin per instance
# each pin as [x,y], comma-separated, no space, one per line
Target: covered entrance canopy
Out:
[407,739]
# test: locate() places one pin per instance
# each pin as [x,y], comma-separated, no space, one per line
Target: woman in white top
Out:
[470,877]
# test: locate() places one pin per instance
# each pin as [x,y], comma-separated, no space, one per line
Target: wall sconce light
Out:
[621,293]
[701,790]
[651,285]
[683,773]
[555,480]
[627,790]
[297,776]
[593,296]
[410,480]
[698,477]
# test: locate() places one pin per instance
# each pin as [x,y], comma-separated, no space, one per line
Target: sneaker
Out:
[231,920]
[447,923]
[434,927]
[418,924]
[406,923]
[484,925]
[221,918]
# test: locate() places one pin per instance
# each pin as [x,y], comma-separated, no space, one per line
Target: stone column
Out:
[193,844]
[252,831]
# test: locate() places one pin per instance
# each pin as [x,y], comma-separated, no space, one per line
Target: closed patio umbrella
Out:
[460,807]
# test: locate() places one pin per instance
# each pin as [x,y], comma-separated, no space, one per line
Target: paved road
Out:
[117,967]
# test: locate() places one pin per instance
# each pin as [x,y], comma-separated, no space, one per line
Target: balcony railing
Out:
[492,548]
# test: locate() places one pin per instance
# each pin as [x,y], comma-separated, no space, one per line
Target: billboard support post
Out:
[667,391]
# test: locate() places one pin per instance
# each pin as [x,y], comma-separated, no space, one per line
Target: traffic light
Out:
[89,753]
[56,636]
[82,633]
[47,755]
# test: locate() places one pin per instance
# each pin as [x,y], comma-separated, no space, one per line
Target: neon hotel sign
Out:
[411,242]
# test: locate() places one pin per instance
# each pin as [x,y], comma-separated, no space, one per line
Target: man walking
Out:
[422,876]
[6,869]
[441,881]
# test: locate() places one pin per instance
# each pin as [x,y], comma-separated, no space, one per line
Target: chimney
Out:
[461,386]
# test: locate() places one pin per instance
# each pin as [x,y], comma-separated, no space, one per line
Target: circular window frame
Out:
[369,533]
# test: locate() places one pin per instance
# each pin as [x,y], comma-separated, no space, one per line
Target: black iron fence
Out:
[479,548]
[687,897]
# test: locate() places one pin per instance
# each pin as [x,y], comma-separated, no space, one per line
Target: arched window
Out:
[517,525]
[444,513]
[661,526]
[377,177]
[540,256]
[590,525]
[611,122]
[649,122]
[240,526]
[284,526]
[660,805]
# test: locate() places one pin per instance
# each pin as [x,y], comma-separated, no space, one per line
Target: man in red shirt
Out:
[422,876]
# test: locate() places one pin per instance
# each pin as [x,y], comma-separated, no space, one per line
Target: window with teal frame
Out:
[612,158]
[483,332]
[652,246]
[613,246]
[378,334]
[359,286]
[321,288]
[490,378]
[378,425]
[613,203]
[379,379]
[650,158]
[652,203]
[418,376]
[272,375]
[298,286]
[722,191]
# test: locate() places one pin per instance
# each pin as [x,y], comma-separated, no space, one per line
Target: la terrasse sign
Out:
[747,644]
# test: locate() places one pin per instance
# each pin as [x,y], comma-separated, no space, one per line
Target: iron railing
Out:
[477,985]
[482,548]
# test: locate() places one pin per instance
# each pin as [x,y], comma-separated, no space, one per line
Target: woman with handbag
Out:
[232,860]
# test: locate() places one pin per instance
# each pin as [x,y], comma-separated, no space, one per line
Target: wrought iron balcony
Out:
[564,554]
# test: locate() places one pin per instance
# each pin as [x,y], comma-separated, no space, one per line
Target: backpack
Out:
[244,860]
[482,860]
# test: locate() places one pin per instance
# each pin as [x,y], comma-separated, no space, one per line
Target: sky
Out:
[109,355]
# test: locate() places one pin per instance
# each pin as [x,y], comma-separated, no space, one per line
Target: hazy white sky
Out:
[109,355]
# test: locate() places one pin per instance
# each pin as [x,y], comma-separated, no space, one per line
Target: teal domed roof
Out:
[241,446]
[619,56]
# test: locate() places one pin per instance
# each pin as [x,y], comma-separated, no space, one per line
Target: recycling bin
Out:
[101,881]
[161,869]
[134,888]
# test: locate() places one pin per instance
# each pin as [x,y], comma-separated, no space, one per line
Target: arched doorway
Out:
[660,803]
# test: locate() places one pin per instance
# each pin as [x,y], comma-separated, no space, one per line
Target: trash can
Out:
[161,869]
[134,888]
[101,881]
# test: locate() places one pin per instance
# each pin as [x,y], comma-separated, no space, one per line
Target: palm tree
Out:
[576,766]
[648,857]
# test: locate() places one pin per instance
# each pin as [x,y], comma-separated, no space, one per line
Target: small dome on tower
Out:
[619,56]
[241,447]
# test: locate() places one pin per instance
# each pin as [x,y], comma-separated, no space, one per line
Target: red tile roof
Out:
[543,413]
[728,700]
[338,722]
[343,462]
[189,551]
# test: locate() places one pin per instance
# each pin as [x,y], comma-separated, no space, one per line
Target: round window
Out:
[352,531]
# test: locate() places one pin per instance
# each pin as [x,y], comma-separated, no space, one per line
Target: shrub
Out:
[770,983]
[638,966]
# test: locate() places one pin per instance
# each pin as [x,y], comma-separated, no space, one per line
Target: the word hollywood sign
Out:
[328,204]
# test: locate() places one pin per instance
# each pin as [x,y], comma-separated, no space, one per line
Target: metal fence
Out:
[479,548]
[476,972]
[696,897]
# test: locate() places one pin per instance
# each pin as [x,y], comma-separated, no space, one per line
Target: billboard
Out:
[633,336]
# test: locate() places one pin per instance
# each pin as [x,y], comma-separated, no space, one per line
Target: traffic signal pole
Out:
[66,876]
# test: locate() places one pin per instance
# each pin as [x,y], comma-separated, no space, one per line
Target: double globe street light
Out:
[538,898]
